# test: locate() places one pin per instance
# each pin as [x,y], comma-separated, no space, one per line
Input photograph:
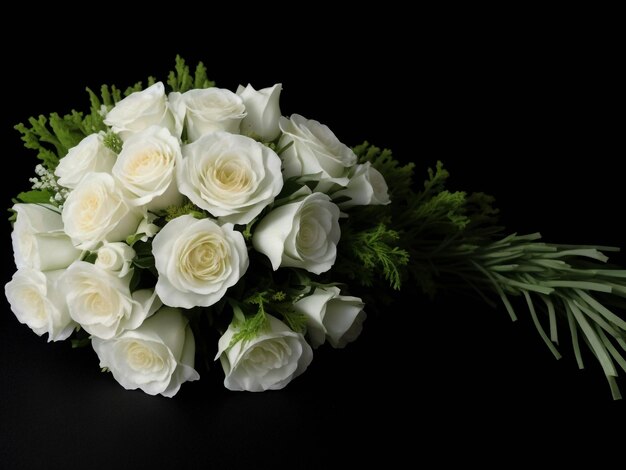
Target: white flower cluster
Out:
[214,149]
[47,180]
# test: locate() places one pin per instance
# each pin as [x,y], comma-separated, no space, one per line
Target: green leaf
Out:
[91,257]
[80,343]
[594,342]
[38,196]
[133,89]
[296,321]
[377,253]
[180,79]
[145,262]
[200,77]
[68,129]
[144,259]
[39,137]
[572,283]
[132,239]
[135,280]
[251,327]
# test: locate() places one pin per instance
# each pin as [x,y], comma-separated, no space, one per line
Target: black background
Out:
[525,110]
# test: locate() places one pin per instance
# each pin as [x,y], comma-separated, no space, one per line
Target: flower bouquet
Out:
[173,226]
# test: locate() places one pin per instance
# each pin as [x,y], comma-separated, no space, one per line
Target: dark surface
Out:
[528,121]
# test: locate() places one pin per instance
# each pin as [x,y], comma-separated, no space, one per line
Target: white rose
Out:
[330,315]
[367,187]
[301,234]
[89,156]
[231,176]
[157,357]
[140,110]
[97,211]
[315,151]
[145,168]
[38,239]
[37,303]
[101,302]
[268,362]
[197,261]
[208,110]
[263,112]
[116,257]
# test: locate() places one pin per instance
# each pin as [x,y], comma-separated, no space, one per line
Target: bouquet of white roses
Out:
[161,221]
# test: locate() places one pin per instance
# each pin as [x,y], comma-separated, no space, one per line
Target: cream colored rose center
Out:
[97,304]
[311,235]
[307,234]
[268,355]
[146,162]
[106,258]
[142,358]
[32,299]
[204,258]
[230,175]
[89,207]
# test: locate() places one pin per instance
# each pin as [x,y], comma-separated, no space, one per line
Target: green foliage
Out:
[569,282]
[437,210]
[113,141]
[13,215]
[247,231]
[132,239]
[454,242]
[437,222]
[69,130]
[370,246]
[80,343]
[377,252]
[296,321]
[279,151]
[80,339]
[282,304]
[109,96]
[415,233]
[181,80]
[187,207]
[90,257]
[39,196]
[144,269]
[53,136]
[39,137]
[258,305]
[249,327]
[144,259]
[133,89]
[279,296]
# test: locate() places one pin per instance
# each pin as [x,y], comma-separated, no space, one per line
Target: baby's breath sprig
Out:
[46,180]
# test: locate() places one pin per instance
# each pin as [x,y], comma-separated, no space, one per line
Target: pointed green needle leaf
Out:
[540,329]
[595,342]
[574,332]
